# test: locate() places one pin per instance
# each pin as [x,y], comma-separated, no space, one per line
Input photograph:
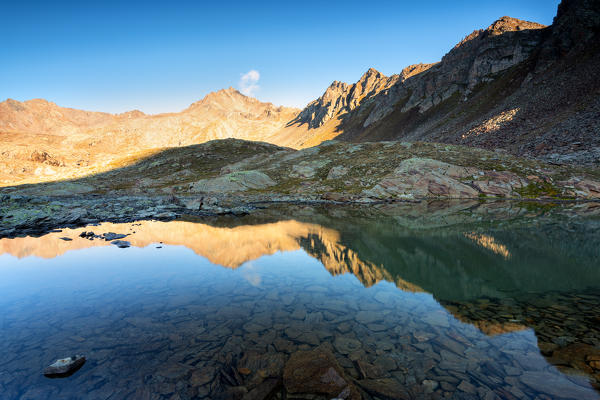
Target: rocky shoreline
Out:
[34,216]
[235,176]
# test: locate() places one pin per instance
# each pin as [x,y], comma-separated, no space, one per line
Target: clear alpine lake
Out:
[396,302]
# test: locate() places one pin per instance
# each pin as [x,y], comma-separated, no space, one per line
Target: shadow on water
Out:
[501,270]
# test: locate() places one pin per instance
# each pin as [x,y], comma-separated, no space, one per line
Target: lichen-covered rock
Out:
[234,182]
[337,172]
[307,169]
[423,177]
[499,184]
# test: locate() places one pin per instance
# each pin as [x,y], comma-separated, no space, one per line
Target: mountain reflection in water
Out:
[502,276]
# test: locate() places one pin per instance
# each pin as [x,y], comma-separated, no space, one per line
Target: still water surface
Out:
[450,306]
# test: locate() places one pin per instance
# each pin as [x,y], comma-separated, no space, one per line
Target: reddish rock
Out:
[585,188]
[424,177]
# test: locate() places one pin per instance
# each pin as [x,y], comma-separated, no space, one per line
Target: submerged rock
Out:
[64,367]
[386,388]
[122,244]
[317,372]
[264,390]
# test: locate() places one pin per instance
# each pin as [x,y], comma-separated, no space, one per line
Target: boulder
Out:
[307,169]
[64,367]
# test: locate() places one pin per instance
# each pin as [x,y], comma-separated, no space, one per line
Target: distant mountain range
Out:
[42,141]
[516,85]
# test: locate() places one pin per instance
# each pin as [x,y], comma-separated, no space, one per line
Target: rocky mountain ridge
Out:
[517,85]
[480,55]
[341,97]
[40,116]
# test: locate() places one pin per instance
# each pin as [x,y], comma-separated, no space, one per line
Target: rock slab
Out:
[317,372]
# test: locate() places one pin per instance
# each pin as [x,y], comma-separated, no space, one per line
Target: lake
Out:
[468,301]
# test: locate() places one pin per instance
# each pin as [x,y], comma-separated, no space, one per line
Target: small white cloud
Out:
[249,82]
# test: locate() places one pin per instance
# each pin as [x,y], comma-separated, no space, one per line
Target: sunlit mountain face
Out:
[444,303]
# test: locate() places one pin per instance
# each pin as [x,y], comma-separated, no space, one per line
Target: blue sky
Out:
[163,56]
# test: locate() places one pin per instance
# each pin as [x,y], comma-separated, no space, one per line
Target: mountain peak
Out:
[223,98]
[500,26]
[370,72]
[227,92]
[509,24]
[39,101]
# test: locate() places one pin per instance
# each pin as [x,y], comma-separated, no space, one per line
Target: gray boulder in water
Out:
[65,366]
